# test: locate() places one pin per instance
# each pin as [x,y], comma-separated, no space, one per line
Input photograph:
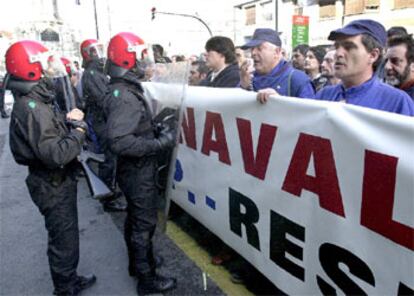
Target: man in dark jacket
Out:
[221,59]
[94,88]
[41,140]
[131,137]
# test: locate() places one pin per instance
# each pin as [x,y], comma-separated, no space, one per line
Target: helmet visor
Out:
[95,51]
[52,65]
[143,52]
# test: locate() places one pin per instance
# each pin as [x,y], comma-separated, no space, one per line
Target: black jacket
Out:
[228,77]
[129,127]
[95,86]
[38,133]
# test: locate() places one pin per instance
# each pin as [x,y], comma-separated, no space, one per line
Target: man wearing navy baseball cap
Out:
[272,74]
[358,53]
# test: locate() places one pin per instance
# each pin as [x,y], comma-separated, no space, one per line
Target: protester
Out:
[198,72]
[221,60]
[60,91]
[284,53]
[149,70]
[240,56]
[159,54]
[77,74]
[178,58]
[396,31]
[327,68]
[399,63]
[132,137]
[358,52]
[272,75]
[313,60]
[41,140]
[95,86]
[193,58]
[298,56]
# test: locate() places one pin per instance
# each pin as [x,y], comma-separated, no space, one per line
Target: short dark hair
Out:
[396,31]
[222,45]
[179,58]
[408,41]
[318,51]
[370,44]
[201,67]
[158,49]
[302,48]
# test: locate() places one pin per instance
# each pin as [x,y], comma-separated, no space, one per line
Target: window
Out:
[327,8]
[354,7]
[358,6]
[327,11]
[267,10]
[372,4]
[250,15]
[403,3]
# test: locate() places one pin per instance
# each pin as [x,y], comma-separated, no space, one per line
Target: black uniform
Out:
[131,137]
[95,86]
[228,77]
[40,139]
[3,112]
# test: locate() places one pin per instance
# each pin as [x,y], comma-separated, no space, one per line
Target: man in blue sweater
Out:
[358,53]
[272,74]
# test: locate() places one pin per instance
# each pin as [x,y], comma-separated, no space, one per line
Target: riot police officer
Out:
[131,136]
[94,87]
[3,112]
[41,140]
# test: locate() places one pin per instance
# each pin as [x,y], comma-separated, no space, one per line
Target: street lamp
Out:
[96,19]
[154,11]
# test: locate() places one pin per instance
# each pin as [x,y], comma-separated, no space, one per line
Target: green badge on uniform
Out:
[32,104]
[116,93]
[92,72]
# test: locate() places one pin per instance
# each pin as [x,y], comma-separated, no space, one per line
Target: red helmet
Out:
[91,49]
[68,65]
[124,49]
[24,60]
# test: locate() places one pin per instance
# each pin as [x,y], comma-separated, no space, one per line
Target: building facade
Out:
[323,16]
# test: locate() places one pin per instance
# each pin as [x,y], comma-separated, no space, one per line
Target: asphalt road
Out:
[23,241]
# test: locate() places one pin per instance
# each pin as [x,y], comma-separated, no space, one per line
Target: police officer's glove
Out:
[78,124]
[166,139]
[158,127]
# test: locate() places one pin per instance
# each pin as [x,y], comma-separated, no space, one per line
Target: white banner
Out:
[319,196]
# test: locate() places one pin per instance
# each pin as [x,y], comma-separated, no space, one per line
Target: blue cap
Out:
[263,35]
[370,27]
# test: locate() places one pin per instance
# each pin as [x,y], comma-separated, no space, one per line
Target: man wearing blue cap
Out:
[358,53]
[272,74]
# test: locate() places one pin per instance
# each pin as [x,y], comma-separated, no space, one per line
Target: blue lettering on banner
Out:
[191,197]
[211,202]
[179,173]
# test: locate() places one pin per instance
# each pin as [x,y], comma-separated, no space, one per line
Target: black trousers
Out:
[2,98]
[137,182]
[56,200]
[107,169]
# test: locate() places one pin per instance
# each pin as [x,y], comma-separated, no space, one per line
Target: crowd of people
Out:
[366,66]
